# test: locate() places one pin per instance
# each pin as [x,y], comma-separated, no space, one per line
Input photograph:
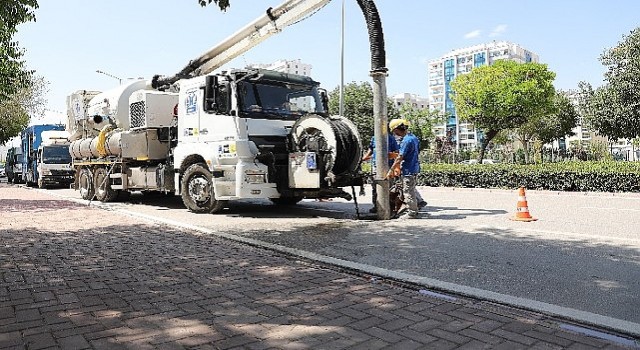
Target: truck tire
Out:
[104,192]
[284,201]
[122,195]
[29,179]
[85,184]
[197,190]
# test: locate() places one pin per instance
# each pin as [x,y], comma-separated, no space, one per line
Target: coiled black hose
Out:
[376,37]
[347,147]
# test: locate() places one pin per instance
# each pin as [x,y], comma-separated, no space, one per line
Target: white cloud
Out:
[472,34]
[498,30]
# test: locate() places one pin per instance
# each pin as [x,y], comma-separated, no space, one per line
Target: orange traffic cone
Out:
[522,209]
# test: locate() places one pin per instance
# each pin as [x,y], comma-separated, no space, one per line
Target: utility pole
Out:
[381,137]
[341,113]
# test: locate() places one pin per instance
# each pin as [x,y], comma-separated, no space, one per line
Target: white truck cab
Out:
[54,160]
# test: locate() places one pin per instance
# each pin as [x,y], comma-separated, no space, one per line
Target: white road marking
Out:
[603,208]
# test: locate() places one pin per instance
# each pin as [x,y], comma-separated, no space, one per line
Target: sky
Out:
[71,39]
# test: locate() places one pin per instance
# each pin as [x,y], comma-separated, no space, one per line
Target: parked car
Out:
[484,161]
[2,172]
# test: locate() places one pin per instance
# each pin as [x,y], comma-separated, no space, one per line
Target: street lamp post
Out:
[110,75]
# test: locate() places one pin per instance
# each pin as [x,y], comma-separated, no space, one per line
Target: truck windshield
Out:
[278,100]
[56,155]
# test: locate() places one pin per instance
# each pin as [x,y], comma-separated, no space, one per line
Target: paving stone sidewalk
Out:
[77,277]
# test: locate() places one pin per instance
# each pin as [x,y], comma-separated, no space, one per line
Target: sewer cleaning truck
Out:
[214,137]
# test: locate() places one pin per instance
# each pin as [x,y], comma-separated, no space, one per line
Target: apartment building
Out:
[286,66]
[291,67]
[412,99]
[583,133]
[443,70]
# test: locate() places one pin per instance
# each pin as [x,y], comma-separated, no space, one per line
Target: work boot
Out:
[408,215]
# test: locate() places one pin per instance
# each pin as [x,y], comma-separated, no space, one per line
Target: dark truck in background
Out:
[13,165]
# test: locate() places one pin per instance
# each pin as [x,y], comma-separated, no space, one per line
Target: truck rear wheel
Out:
[104,192]
[85,184]
[197,190]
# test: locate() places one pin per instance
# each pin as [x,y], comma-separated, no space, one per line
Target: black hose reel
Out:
[336,142]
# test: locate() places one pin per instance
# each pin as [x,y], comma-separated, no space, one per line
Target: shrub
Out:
[562,176]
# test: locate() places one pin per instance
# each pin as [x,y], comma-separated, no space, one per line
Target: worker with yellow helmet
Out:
[407,166]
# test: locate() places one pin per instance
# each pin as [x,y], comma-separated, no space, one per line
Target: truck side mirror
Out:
[210,85]
[223,97]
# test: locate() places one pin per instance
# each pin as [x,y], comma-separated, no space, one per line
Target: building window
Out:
[479,59]
[527,57]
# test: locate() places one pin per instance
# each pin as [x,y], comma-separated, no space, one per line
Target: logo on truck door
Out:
[191,102]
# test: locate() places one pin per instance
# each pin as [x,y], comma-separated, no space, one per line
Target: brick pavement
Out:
[76,277]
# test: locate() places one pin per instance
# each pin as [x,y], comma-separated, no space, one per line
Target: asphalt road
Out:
[582,253]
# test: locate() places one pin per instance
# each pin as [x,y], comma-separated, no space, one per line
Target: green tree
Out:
[13,74]
[561,122]
[422,121]
[599,150]
[358,107]
[503,96]
[614,108]
[223,4]
[546,128]
[16,110]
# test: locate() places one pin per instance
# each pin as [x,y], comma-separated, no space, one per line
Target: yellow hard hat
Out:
[396,123]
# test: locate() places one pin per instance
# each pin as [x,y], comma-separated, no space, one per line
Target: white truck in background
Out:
[211,138]
[54,160]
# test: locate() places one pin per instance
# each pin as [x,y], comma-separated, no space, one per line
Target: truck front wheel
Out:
[85,184]
[104,192]
[197,190]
